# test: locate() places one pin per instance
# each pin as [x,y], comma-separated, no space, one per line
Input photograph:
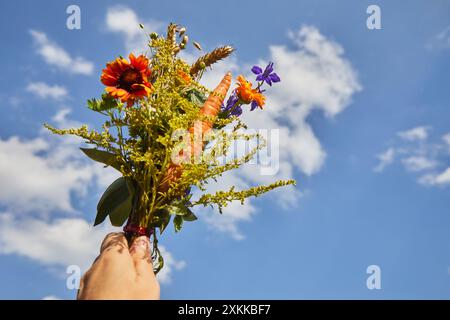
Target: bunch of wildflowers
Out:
[152,106]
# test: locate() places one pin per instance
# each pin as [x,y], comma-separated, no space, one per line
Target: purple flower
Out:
[268,75]
[231,106]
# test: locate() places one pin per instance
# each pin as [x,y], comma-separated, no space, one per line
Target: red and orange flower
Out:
[247,94]
[127,81]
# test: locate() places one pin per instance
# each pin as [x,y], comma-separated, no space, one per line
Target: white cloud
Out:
[385,159]
[123,20]
[43,90]
[56,56]
[170,265]
[440,179]
[234,213]
[307,152]
[314,76]
[46,171]
[36,175]
[418,163]
[414,134]
[62,242]
[446,139]
[231,216]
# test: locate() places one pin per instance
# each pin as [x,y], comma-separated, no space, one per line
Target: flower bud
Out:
[153,35]
[182,31]
[185,39]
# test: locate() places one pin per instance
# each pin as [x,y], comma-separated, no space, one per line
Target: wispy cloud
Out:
[44,91]
[419,153]
[385,158]
[418,163]
[56,56]
[415,134]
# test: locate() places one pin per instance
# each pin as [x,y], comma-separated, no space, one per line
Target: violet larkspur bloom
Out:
[231,105]
[268,75]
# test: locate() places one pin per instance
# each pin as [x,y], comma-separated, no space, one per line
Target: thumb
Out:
[141,256]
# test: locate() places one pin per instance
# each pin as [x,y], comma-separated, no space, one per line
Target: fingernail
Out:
[141,243]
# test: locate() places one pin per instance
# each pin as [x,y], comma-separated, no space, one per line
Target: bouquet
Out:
[168,136]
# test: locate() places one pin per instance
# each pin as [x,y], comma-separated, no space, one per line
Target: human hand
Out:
[121,272]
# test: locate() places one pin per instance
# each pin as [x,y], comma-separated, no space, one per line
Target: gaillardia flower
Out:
[127,81]
[247,94]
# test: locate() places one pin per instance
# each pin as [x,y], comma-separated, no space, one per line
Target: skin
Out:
[121,272]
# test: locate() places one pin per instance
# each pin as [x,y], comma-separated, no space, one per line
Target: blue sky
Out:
[365,115]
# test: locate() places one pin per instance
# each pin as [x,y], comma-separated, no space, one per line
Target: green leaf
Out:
[190,216]
[178,209]
[164,217]
[103,157]
[178,223]
[105,103]
[116,202]
[181,208]
[197,97]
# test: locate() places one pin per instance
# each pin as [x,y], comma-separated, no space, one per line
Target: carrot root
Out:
[210,108]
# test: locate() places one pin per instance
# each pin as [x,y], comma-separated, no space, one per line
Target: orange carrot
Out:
[210,108]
